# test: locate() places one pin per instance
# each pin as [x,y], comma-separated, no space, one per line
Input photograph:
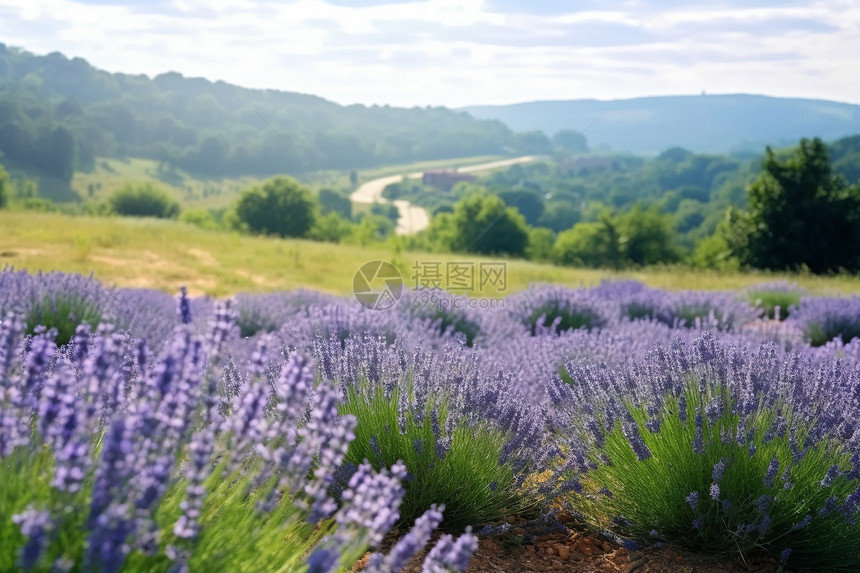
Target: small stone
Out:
[587,551]
[550,550]
[557,565]
[563,552]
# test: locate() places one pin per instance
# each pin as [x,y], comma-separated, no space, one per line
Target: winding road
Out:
[413,219]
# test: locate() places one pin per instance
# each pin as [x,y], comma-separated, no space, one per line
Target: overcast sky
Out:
[462,52]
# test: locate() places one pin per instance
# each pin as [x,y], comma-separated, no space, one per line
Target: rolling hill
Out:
[704,124]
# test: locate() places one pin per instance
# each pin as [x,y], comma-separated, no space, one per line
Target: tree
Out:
[143,200]
[570,141]
[592,244]
[481,225]
[639,237]
[280,206]
[646,237]
[526,201]
[800,214]
[332,201]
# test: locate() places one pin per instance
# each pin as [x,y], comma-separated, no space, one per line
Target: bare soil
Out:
[524,549]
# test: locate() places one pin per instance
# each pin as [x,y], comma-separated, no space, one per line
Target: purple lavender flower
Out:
[372,500]
[184,306]
[831,475]
[409,544]
[323,560]
[802,523]
[772,470]
[693,500]
[631,432]
[698,444]
[451,555]
[785,554]
[718,470]
[34,525]
[715,491]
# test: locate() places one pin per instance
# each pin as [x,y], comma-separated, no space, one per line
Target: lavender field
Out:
[295,431]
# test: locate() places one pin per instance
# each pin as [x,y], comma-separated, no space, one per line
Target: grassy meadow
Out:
[164,254]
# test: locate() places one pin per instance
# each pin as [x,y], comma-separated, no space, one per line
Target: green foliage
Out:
[281,536]
[143,200]
[281,206]
[469,480]
[332,201]
[200,218]
[650,494]
[5,187]
[481,224]
[570,141]
[569,317]
[771,300]
[714,253]
[639,237]
[58,112]
[386,210]
[527,201]
[593,244]
[541,242]
[800,214]
[560,215]
[331,228]
[63,312]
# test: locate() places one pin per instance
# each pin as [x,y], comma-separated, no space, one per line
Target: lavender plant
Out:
[718,449]
[446,313]
[465,440]
[550,309]
[775,299]
[824,319]
[114,461]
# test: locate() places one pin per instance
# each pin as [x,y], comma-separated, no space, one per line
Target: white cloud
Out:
[459,52]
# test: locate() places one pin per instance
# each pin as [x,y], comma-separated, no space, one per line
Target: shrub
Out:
[689,309]
[461,469]
[823,319]
[772,296]
[114,462]
[143,200]
[464,437]
[57,301]
[444,312]
[713,449]
[280,206]
[549,309]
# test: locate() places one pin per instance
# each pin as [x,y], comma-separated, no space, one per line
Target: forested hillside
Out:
[59,114]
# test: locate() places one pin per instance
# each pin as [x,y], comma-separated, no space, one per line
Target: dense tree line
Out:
[57,114]
[793,208]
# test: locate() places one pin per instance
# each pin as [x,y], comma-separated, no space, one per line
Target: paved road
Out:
[413,219]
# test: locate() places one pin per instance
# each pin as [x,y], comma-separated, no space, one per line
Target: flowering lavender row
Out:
[303,400]
[145,452]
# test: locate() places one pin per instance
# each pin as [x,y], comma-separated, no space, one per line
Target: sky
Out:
[462,52]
